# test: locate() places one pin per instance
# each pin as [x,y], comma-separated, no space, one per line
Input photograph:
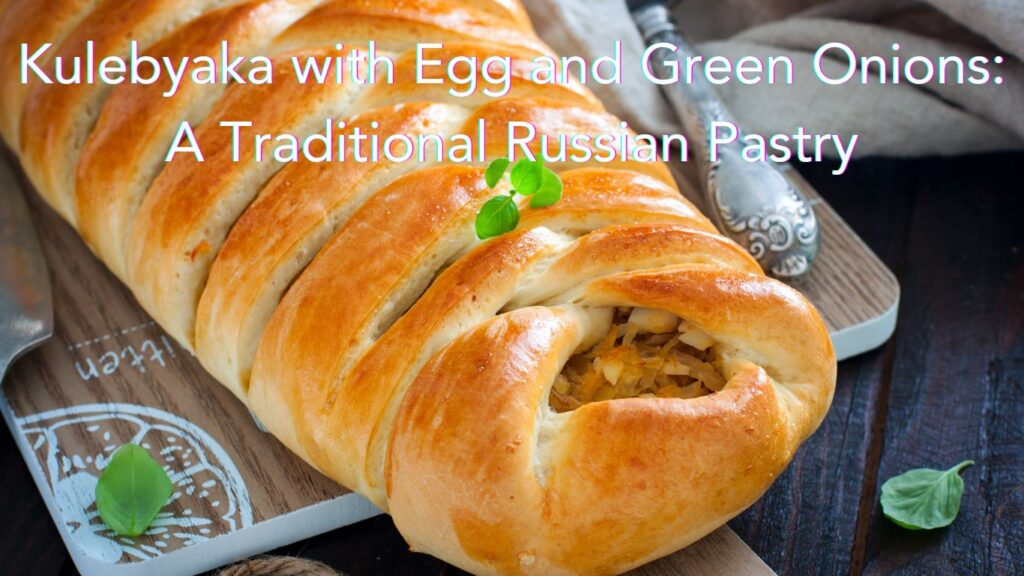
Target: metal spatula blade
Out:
[26,305]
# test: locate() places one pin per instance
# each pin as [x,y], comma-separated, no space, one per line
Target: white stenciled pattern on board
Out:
[209,499]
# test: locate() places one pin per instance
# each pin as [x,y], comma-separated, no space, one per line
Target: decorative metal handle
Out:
[757,204]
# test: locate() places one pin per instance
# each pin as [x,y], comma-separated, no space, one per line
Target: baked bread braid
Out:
[603,385]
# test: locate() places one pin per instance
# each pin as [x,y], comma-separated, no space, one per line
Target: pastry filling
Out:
[647,353]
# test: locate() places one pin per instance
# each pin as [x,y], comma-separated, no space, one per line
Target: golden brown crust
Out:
[554,119]
[277,236]
[615,196]
[406,87]
[612,484]
[489,375]
[188,211]
[398,25]
[474,288]
[622,248]
[33,22]
[411,228]
[352,307]
[50,149]
[128,145]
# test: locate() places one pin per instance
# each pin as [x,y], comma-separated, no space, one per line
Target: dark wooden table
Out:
[949,386]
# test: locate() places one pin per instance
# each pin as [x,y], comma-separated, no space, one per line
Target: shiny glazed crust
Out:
[351,307]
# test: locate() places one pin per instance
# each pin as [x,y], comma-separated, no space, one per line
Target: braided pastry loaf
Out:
[602,386]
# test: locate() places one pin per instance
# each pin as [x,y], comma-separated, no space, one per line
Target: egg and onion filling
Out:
[647,353]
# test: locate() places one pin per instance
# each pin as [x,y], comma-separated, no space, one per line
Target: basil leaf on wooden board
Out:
[495,171]
[924,499]
[131,490]
[550,189]
[526,176]
[498,216]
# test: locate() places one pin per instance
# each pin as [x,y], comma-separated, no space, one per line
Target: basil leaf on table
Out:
[131,490]
[498,216]
[924,499]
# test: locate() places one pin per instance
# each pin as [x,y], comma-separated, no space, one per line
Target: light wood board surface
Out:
[111,376]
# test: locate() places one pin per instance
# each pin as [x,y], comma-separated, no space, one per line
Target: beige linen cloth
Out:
[892,120]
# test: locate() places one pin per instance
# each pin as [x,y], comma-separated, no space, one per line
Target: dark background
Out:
[948,386]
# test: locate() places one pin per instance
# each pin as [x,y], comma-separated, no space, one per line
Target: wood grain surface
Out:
[947,387]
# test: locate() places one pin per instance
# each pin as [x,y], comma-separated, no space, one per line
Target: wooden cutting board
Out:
[111,376]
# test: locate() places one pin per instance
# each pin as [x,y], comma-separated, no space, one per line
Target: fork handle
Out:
[757,204]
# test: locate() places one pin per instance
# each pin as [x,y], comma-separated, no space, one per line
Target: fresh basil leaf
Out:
[131,490]
[550,189]
[526,176]
[924,499]
[498,216]
[495,171]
